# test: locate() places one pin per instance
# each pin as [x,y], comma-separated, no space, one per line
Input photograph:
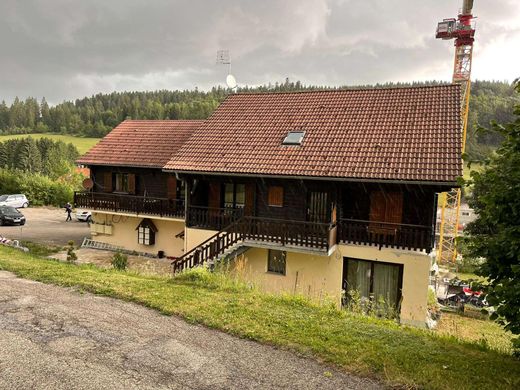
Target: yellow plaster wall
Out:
[125,235]
[416,269]
[317,277]
[321,276]
[194,237]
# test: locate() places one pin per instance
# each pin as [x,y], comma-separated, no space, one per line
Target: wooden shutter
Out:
[275,196]
[107,182]
[171,185]
[131,183]
[377,206]
[394,207]
[214,195]
[249,207]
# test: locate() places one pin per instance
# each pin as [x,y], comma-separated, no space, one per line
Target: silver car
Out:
[16,200]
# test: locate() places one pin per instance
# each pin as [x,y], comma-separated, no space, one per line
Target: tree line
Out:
[95,116]
[53,159]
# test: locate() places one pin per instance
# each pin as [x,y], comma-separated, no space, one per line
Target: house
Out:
[321,192]
[135,204]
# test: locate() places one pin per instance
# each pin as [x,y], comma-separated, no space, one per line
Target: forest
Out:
[95,116]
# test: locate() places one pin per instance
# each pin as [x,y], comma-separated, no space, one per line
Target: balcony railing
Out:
[145,205]
[310,235]
[212,218]
[286,232]
[384,234]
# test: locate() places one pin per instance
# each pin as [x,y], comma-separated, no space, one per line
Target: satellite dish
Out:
[88,183]
[231,81]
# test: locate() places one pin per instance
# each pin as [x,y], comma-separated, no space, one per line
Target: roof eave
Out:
[453,184]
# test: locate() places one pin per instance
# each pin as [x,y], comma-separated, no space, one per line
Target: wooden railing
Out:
[208,250]
[384,234]
[212,218]
[266,230]
[130,204]
[283,232]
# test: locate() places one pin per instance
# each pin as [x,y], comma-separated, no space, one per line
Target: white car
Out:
[84,216]
[16,200]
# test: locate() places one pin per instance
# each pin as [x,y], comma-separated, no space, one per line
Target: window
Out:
[125,183]
[275,196]
[234,195]
[121,182]
[146,232]
[276,261]
[294,138]
[374,281]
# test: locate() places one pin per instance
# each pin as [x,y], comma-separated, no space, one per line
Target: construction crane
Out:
[462,29]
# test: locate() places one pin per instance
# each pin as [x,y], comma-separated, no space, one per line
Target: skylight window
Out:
[294,138]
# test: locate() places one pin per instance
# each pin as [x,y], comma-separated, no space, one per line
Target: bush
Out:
[71,255]
[119,261]
[39,189]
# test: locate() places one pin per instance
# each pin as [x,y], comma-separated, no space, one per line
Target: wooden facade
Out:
[382,214]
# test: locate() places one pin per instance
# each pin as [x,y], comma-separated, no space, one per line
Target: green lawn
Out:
[83,144]
[399,356]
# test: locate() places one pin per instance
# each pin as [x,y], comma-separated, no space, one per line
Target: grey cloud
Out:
[65,49]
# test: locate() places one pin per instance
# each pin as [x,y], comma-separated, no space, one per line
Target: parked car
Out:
[84,216]
[15,200]
[10,216]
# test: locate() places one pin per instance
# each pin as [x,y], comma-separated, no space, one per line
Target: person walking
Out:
[68,209]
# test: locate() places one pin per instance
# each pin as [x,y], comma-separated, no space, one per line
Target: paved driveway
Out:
[47,225]
[56,338]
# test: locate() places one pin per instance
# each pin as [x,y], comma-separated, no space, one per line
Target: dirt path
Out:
[47,225]
[56,338]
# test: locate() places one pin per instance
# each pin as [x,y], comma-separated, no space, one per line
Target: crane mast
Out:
[461,29]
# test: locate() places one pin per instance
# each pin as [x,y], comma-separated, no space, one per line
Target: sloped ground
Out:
[53,337]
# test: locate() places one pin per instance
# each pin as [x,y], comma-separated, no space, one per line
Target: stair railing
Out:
[209,249]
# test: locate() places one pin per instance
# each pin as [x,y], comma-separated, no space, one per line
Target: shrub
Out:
[71,255]
[39,189]
[119,261]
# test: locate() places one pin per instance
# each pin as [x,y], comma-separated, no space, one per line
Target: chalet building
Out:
[135,205]
[320,193]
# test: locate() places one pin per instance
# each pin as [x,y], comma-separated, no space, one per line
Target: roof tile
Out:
[389,134]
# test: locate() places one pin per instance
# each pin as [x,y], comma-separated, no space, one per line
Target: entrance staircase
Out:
[247,231]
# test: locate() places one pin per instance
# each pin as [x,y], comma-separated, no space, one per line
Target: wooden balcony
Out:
[248,231]
[212,218]
[302,234]
[383,234]
[139,205]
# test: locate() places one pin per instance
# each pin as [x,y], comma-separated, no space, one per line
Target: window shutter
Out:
[131,183]
[377,206]
[249,207]
[107,182]
[172,187]
[214,195]
[394,207]
[275,196]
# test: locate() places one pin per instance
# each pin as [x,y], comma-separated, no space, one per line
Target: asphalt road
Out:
[47,225]
[56,338]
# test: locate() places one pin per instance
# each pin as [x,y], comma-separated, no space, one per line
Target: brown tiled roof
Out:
[411,134]
[141,143]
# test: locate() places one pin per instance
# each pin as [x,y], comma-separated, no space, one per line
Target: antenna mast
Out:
[462,29]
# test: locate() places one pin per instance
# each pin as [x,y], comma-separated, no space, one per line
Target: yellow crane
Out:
[461,29]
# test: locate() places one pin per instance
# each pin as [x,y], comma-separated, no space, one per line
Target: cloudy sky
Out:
[64,49]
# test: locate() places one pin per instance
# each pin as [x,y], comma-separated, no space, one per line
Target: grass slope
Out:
[365,346]
[82,144]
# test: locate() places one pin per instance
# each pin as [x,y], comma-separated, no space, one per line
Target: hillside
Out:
[95,116]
